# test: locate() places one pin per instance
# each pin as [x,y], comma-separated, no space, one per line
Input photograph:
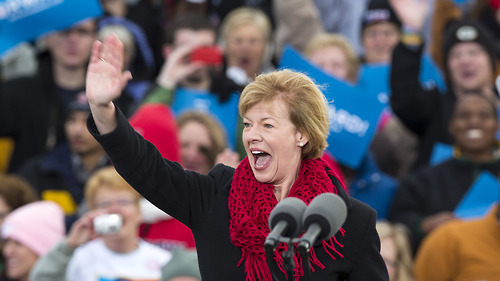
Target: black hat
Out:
[468,31]
[79,103]
[379,11]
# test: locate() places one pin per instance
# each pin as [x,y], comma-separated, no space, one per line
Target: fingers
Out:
[96,49]
[112,51]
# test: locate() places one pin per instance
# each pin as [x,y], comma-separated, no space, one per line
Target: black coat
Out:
[201,203]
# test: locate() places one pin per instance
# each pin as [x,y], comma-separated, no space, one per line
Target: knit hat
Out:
[183,263]
[156,123]
[468,31]
[79,103]
[379,11]
[38,226]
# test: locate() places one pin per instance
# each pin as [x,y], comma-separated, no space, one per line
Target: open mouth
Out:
[474,133]
[262,159]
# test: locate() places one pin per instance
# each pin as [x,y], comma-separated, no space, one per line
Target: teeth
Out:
[257,152]
[474,133]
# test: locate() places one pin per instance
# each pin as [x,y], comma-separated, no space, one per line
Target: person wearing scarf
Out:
[286,124]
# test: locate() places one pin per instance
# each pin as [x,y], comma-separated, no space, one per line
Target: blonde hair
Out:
[216,132]
[108,178]
[243,16]
[399,233]
[325,40]
[307,105]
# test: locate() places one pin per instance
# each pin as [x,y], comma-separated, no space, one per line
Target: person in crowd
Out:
[201,139]
[32,108]
[184,35]
[245,36]
[427,198]
[469,59]
[461,250]
[182,267]
[334,54]
[117,252]
[396,250]
[380,32]
[286,125]
[60,174]
[14,193]
[28,233]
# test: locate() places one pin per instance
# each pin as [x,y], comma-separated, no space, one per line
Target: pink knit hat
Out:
[38,226]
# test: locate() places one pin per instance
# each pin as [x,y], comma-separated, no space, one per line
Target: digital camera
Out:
[107,224]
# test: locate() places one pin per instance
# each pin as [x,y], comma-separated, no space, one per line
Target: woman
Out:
[246,40]
[201,139]
[427,198]
[286,125]
[28,233]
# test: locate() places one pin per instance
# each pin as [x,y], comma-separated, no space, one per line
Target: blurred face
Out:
[124,203]
[245,49]
[71,48]
[197,38]
[79,138]
[332,60]
[5,209]
[19,259]
[379,39]
[271,142]
[469,67]
[389,253]
[195,144]
[474,125]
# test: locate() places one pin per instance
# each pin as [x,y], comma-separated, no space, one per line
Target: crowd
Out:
[200,83]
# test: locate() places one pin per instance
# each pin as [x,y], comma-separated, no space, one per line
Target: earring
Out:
[301,144]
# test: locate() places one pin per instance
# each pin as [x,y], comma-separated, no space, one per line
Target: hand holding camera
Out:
[92,224]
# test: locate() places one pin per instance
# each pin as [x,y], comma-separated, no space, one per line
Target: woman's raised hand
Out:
[105,76]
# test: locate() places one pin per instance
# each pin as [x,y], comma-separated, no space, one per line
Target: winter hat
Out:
[183,263]
[379,11]
[156,123]
[468,31]
[38,226]
[79,103]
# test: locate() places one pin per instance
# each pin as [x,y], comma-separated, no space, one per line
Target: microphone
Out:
[322,219]
[285,220]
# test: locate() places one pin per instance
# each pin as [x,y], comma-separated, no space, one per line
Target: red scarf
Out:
[250,203]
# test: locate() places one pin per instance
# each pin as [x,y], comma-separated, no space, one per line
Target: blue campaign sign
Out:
[225,113]
[481,196]
[25,20]
[376,78]
[354,112]
[440,152]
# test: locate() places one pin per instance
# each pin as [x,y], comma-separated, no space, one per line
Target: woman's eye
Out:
[246,125]
[268,125]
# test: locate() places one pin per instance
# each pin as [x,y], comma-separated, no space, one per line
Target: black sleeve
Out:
[182,194]
[409,101]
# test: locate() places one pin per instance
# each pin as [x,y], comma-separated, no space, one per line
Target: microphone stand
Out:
[288,262]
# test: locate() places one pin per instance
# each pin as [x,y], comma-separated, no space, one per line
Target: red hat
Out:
[156,123]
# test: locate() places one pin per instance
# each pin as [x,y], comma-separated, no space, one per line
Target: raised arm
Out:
[105,81]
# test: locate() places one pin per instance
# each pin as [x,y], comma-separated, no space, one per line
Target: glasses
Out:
[119,202]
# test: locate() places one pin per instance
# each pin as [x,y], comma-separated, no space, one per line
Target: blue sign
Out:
[481,196]
[440,152]
[225,113]
[354,112]
[25,20]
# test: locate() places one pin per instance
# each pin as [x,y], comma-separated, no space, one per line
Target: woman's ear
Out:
[302,139]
